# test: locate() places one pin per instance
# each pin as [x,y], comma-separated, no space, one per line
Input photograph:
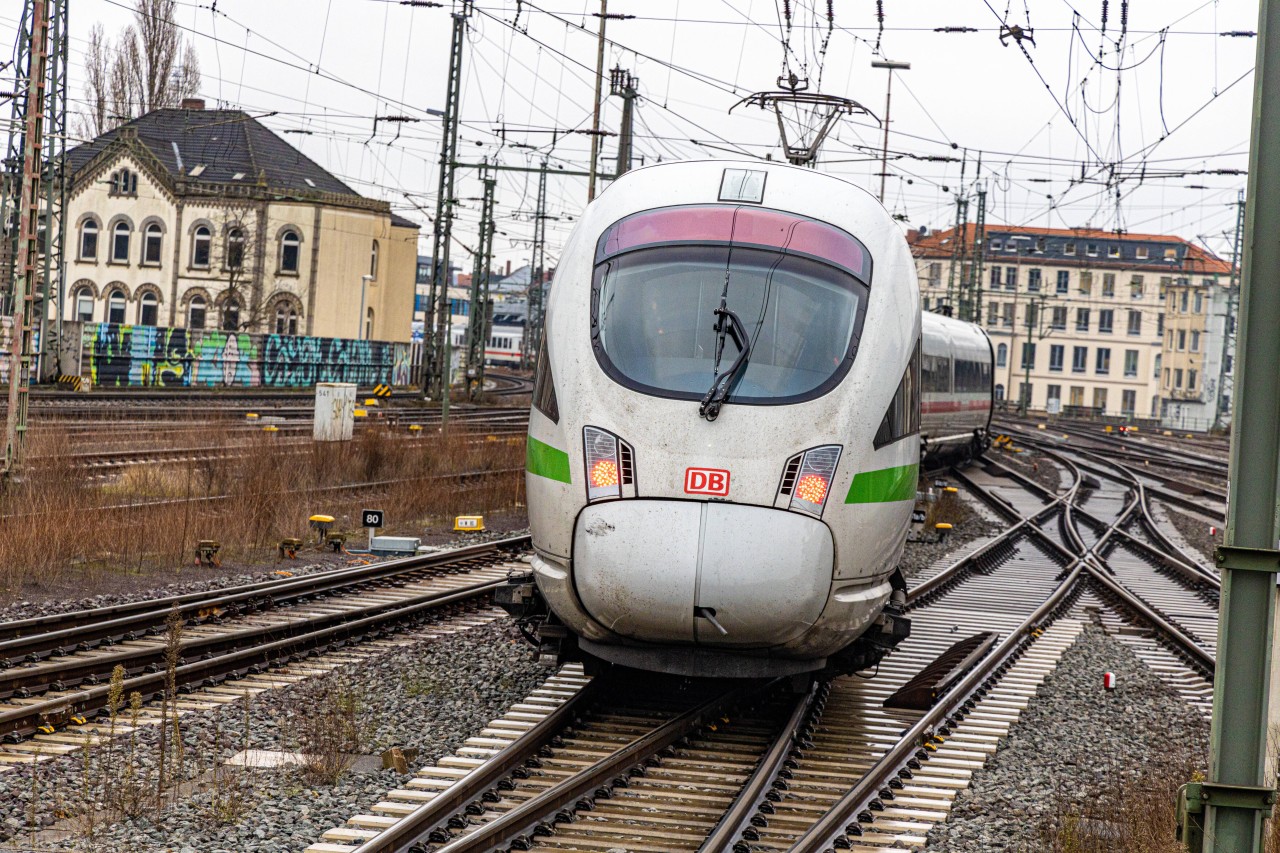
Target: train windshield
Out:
[655,327]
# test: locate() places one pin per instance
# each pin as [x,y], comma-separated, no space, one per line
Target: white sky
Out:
[696,58]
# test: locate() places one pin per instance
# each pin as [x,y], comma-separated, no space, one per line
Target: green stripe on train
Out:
[885,485]
[546,461]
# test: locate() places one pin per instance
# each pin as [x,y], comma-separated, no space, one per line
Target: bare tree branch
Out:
[149,66]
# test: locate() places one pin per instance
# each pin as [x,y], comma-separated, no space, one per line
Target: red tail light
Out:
[813,478]
[812,488]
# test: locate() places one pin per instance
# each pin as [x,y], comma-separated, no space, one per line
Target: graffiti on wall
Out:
[6,344]
[118,356]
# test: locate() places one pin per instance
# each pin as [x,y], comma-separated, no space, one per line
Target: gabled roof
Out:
[226,143]
[1196,259]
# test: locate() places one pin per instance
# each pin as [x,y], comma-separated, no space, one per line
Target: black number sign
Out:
[372,518]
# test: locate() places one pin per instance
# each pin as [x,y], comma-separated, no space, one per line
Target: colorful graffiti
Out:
[119,356]
[6,344]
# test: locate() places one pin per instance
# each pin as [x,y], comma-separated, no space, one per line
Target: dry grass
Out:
[60,525]
[1131,809]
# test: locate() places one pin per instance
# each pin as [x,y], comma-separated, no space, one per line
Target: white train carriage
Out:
[956,387]
[724,444]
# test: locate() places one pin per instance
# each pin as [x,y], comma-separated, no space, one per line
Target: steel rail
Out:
[755,791]
[60,710]
[28,639]
[523,820]
[66,673]
[433,816]
[832,827]
[843,817]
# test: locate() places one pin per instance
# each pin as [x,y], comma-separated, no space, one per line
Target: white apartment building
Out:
[1078,317]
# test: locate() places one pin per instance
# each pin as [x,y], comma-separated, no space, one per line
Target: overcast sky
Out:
[329,67]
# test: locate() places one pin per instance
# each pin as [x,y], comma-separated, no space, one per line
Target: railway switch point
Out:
[250,416]
[416,429]
[271,428]
[207,552]
[469,523]
[943,529]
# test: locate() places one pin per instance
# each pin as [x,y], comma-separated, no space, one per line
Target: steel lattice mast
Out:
[436,352]
[20,200]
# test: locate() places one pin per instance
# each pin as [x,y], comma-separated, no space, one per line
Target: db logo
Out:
[706,481]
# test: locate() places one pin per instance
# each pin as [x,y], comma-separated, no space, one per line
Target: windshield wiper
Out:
[727,322]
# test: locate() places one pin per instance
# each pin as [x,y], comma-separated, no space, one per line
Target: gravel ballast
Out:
[193,579]
[429,696]
[1074,744]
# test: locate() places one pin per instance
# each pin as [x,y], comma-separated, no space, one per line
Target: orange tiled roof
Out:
[1197,258]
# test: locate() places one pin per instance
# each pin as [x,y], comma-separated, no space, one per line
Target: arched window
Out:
[373,260]
[151,242]
[120,243]
[999,392]
[201,240]
[124,182]
[231,315]
[115,307]
[1002,355]
[84,305]
[89,240]
[289,245]
[368,325]
[286,319]
[148,310]
[235,249]
[195,313]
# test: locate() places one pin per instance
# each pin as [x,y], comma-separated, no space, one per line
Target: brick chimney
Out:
[192,104]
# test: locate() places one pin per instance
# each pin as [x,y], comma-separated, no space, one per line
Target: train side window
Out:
[935,373]
[544,385]
[903,415]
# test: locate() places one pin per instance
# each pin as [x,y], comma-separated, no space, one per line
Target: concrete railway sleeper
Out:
[841,770]
[262,642]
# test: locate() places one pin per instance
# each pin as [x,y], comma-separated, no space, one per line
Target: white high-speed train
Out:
[725,439]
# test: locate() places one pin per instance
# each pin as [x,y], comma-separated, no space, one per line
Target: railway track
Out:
[860,761]
[55,670]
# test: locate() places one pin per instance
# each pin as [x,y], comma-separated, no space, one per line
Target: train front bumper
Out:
[712,574]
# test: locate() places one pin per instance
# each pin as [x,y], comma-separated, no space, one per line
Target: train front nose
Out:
[717,574]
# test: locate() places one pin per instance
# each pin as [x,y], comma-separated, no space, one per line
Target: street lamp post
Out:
[888,90]
[364,282]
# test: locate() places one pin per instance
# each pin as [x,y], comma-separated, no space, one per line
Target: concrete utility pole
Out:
[888,92]
[1226,813]
[595,118]
[28,215]
[436,373]
[621,83]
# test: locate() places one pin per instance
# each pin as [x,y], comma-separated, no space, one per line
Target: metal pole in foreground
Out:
[1226,812]
[888,89]
[595,119]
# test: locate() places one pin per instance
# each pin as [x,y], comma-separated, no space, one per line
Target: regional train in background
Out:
[729,414]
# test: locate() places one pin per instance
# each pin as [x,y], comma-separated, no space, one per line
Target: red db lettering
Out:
[706,481]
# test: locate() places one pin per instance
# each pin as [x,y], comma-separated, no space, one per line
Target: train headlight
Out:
[608,462]
[807,478]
